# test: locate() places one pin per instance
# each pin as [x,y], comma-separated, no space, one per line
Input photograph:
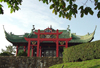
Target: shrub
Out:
[6,54]
[82,52]
[22,53]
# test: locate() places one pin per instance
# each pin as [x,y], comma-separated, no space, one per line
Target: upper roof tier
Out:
[65,34]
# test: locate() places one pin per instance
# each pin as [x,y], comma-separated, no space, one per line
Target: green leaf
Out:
[70,12]
[98,15]
[1,11]
[95,7]
[70,2]
[81,7]
[98,5]
[91,12]
[52,6]
[69,18]
[73,11]
[86,11]
[57,3]
[5,0]
[66,15]
[82,14]
[75,6]
[63,3]
[58,10]
[50,0]
[96,0]
[17,8]
[53,11]
[0,6]
[9,6]
[63,16]
[68,7]
[67,0]
[59,15]
[1,0]
[73,0]
[75,15]
[44,1]
[11,10]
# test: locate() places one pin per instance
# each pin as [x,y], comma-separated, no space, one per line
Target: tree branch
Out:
[85,3]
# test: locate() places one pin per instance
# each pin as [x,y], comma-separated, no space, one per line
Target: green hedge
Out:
[22,53]
[6,54]
[82,52]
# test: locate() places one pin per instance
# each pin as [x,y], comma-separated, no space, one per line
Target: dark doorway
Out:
[48,49]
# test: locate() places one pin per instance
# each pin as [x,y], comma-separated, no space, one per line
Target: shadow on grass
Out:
[97,66]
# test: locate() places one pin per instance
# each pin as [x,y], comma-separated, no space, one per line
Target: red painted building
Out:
[47,42]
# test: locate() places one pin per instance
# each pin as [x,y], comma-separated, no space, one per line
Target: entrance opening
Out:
[48,49]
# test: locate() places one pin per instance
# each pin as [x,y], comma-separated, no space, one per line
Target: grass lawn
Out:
[95,63]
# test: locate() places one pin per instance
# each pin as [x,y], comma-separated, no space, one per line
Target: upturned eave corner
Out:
[3,28]
[5,31]
[95,29]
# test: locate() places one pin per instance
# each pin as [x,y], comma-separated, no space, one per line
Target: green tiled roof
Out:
[66,34]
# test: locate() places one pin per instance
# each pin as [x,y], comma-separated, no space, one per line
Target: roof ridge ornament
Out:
[69,31]
[68,28]
[50,26]
[33,28]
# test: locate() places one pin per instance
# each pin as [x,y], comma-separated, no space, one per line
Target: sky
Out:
[36,13]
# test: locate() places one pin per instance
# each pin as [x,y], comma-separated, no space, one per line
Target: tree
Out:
[12,4]
[10,49]
[60,7]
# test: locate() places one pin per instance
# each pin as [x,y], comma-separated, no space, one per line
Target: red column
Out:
[28,54]
[66,44]
[24,48]
[38,42]
[40,51]
[38,48]
[57,34]
[32,50]
[57,49]
[16,50]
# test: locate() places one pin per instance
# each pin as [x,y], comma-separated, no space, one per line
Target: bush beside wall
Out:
[22,53]
[6,54]
[82,52]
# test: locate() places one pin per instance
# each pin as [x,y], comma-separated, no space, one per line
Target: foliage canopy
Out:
[59,7]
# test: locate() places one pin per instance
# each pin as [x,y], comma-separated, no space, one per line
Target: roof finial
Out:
[33,28]
[50,26]
[68,28]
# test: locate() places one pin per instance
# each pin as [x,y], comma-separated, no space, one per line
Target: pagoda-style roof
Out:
[65,34]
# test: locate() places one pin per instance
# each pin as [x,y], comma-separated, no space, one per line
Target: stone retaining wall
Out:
[28,62]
